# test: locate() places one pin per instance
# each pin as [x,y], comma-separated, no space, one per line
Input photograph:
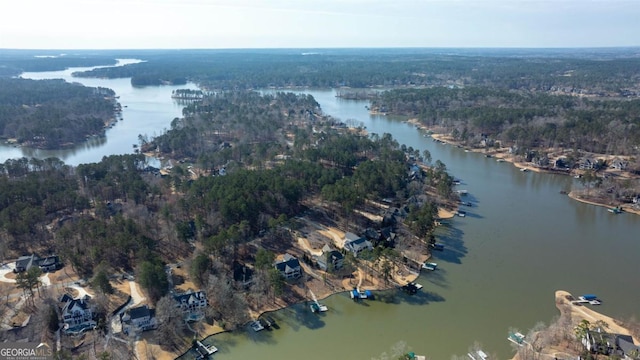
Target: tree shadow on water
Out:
[398,296]
[454,248]
[300,315]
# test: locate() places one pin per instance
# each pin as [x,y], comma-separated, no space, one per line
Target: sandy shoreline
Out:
[571,315]
[504,156]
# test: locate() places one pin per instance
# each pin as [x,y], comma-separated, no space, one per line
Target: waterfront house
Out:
[24,263]
[289,267]
[138,319]
[77,314]
[50,263]
[356,244]
[541,160]
[587,164]
[560,163]
[242,274]
[192,304]
[619,164]
[621,346]
[330,259]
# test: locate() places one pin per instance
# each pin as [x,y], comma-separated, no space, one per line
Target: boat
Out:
[595,302]
[516,338]
[430,266]
[468,203]
[437,246]
[256,326]
[615,210]
[318,308]
[500,160]
[412,288]
[462,213]
[357,294]
[462,192]
[587,297]
[524,169]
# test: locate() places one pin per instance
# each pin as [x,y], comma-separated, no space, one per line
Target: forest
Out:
[528,121]
[598,72]
[51,114]
[243,165]
[282,158]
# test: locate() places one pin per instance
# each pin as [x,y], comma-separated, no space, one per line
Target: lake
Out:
[519,243]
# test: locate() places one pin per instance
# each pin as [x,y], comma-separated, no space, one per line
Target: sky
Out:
[214,24]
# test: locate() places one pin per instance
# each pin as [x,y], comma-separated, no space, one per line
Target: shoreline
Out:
[278,307]
[571,315]
[500,154]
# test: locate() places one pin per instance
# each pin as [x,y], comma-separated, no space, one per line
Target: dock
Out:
[316,307]
[357,294]
[412,288]
[478,355]
[256,326]
[516,338]
[204,350]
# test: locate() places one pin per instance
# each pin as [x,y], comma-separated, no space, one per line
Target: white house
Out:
[77,314]
[192,304]
[356,244]
[138,319]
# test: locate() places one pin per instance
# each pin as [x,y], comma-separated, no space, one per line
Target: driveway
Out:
[4,270]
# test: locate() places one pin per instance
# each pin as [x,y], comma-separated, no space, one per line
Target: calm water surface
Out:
[519,243]
[146,110]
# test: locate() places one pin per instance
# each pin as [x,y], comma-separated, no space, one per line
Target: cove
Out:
[520,241]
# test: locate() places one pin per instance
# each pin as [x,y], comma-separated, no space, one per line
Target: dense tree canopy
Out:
[53,113]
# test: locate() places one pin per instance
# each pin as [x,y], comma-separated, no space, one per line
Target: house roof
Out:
[65,298]
[25,262]
[288,264]
[141,312]
[79,303]
[242,272]
[349,236]
[50,260]
[358,244]
[190,296]
[626,344]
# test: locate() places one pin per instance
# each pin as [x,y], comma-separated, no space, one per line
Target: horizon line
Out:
[339,48]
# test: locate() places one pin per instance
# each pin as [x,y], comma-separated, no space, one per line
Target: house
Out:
[619,164]
[192,304]
[587,164]
[560,163]
[356,244]
[138,319]
[242,274]
[77,314]
[50,263]
[541,160]
[24,263]
[330,259]
[619,345]
[289,267]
